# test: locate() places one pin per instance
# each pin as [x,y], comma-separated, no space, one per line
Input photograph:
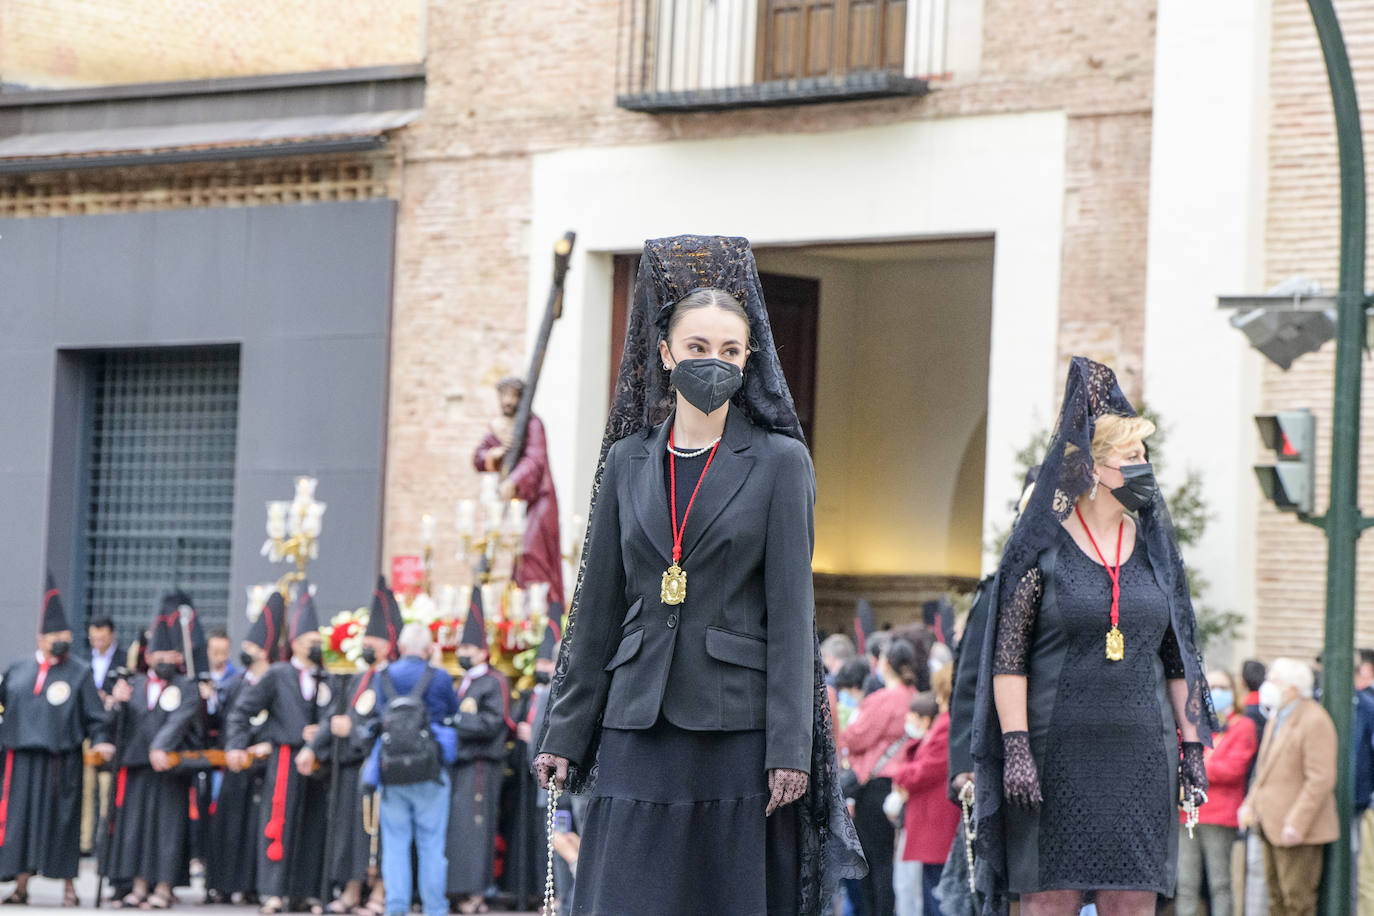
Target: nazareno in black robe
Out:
[151,809]
[41,766]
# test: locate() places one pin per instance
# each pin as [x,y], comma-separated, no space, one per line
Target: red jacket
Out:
[931,818]
[1228,762]
[879,721]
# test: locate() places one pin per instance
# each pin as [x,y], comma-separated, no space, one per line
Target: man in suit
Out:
[1291,800]
[106,658]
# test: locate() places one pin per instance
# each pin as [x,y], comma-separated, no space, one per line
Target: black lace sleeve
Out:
[1015,622]
[1171,656]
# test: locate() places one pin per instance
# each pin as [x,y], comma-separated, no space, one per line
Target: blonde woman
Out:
[1093,676]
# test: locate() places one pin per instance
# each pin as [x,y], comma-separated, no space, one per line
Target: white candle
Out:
[516,518]
[448,602]
[490,486]
[492,513]
[537,600]
[276,519]
[305,489]
[515,605]
[467,517]
[314,520]
[427,529]
[491,600]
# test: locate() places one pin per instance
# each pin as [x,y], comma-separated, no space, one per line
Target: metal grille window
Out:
[160,481]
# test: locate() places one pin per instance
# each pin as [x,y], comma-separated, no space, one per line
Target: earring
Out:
[1092,494]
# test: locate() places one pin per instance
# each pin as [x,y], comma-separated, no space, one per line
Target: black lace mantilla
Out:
[669,269]
[1091,391]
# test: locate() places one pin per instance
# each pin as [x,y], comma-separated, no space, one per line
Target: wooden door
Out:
[794,306]
[801,39]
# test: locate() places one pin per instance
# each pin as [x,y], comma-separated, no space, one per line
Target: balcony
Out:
[701,55]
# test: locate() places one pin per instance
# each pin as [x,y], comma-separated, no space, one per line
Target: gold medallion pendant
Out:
[1116,645]
[674,590]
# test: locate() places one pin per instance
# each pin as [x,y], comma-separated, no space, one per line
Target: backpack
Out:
[409,754]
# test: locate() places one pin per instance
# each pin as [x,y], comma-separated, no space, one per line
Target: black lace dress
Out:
[1102,732]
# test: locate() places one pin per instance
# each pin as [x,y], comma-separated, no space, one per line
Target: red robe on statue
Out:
[542,560]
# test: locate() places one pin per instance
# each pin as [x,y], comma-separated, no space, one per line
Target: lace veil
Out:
[1065,475]
[669,269]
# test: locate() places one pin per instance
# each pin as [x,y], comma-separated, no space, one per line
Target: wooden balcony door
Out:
[802,39]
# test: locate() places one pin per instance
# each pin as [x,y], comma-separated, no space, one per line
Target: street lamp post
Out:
[1343,521]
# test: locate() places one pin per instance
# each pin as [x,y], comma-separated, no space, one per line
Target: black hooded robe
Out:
[152,810]
[293,807]
[349,843]
[483,725]
[41,765]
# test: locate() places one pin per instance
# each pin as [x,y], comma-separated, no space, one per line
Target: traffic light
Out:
[1290,482]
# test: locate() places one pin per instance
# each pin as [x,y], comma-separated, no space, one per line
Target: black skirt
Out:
[675,825]
[42,796]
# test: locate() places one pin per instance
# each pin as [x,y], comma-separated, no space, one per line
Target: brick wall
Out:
[508,80]
[1302,233]
[64,43]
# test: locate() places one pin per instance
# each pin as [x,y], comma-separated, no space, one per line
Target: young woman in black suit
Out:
[688,688]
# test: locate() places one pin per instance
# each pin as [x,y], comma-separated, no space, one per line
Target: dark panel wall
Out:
[304,290]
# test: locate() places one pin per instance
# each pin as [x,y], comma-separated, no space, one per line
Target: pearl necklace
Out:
[698,452]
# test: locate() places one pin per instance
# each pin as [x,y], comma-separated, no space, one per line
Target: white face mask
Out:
[914,731]
[1269,697]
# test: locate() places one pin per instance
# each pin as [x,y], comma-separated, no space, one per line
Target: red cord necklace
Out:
[1116,643]
[674,587]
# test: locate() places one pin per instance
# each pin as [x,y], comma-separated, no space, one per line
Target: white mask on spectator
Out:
[1269,697]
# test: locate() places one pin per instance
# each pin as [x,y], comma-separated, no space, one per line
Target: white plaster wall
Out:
[1206,237]
[1001,175]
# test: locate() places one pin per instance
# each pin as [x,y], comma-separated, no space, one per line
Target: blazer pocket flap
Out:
[633,612]
[629,646]
[736,648]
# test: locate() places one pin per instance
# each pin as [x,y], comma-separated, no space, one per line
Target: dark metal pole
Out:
[1343,520]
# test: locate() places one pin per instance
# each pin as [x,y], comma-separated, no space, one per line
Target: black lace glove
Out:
[785,787]
[1020,779]
[1192,772]
[551,770]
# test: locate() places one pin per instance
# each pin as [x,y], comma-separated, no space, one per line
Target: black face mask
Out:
[466,661]
[245,659]
[369,655]
[542,677]
[1139,487]
[706,383]
[316,655]
[60,647]
[165,670]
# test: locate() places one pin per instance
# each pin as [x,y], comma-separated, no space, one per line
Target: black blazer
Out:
[737,654]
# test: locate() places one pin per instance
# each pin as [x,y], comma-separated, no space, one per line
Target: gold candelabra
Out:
[293,532]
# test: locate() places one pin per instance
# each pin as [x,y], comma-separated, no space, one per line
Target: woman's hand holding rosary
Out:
[551,768]
[1192,781]
[1020,778]
[785,787]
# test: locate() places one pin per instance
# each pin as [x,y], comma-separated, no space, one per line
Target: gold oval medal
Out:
[366,702]
[469,705]
[170,699]
[58,692]
[323,694]
[259,719]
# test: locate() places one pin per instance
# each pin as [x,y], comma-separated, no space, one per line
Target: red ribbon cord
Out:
[1113,572]
[120,783]
[5,794]
[672,474]
[193,809]
[276,824]
[43,666]
[367,679]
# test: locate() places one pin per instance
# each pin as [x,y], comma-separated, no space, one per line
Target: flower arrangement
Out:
[343,640]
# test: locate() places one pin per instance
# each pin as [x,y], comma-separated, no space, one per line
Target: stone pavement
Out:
[46,896]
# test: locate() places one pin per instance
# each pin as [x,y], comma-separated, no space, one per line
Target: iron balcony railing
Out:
[685,55]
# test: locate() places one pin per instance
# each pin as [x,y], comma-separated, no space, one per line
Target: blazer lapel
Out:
[1277,741]
[729,469]
[650,492]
